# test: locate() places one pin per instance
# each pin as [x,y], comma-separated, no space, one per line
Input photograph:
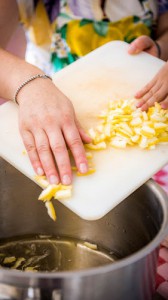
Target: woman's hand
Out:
[143,43]
[48,126]
[155,91]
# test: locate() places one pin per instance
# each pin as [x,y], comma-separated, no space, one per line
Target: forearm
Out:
[13,72]
[162,35]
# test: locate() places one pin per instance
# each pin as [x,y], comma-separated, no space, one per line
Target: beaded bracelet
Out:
[44,76]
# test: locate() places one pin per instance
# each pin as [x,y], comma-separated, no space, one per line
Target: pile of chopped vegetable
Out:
[122,125]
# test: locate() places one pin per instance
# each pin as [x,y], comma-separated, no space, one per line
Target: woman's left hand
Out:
[143,43]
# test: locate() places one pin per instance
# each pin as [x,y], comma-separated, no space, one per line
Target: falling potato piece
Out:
[50,210]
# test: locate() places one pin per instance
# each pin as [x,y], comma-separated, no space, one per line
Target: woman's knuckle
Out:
[76,142]
[156,97]
[30,147]
[68,120]
[42,147]
[58,148]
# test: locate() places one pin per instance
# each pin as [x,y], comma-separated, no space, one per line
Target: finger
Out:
[145,89]
[85,138]
[151,101]
[164,104]
[29,143]
[59,149]
[75,144]
[147,104]
[46,157]
[154,95]
[140,44]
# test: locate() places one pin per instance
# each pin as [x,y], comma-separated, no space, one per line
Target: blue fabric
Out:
[163,6]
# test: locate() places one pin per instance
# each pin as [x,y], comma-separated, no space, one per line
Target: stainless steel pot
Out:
[133,230]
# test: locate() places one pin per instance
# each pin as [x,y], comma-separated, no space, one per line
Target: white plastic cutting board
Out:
[106,74]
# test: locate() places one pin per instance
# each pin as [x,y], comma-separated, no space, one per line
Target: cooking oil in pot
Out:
[52,254]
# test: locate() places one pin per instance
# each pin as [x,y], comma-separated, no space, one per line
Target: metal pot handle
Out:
[12,293]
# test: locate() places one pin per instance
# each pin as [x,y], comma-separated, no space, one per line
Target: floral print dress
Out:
[69,29]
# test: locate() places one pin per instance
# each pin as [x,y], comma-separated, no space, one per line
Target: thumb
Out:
[140,44]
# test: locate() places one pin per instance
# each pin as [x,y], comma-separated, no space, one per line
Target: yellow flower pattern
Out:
[83,39]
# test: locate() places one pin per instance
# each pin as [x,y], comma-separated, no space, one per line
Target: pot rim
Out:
[20,276]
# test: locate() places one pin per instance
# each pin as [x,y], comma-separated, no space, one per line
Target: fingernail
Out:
[83,168]
[40,171]
[66,180]
[53,179]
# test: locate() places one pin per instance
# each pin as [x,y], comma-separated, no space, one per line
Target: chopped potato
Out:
[90,245]
[9,260]
[50,210]
[49,192]
[125,125]
[63,194]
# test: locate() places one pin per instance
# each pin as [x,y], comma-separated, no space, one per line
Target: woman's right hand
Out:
[48,126]
[155,91]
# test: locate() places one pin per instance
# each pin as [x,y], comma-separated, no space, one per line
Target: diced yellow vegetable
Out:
[99,146]
[74,168]
[63,194]
[99,138]
[42,181]
[147,131]
[89,155]
[135,138]
[92,133]
[136,121]
[163,139]
[90,245]
[65,187]
[24,152]
[49,192]
[118,143]
[18,262]
[89,172]
[143,142]
[30,269]
[50,210]
[9,260]
[144,116]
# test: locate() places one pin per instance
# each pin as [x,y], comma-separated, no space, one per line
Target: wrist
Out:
[27,82]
